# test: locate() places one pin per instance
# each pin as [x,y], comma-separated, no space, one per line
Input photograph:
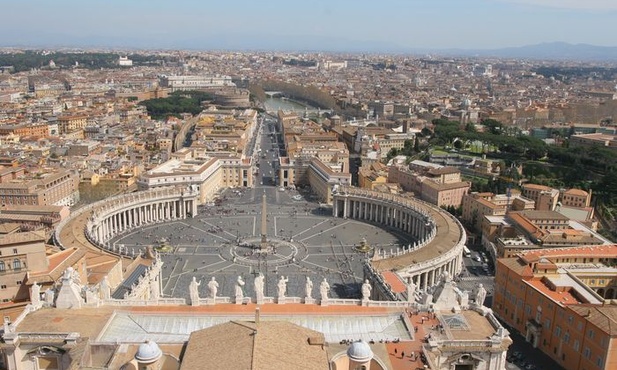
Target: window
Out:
[566,337]
[16,264]
[587,352]
[591,333]
[599,361]
[2,266]
[2,286]
[14,250]
[557,331]
[576,345]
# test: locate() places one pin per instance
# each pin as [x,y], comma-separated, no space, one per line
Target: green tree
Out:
[495,127]
[391,154]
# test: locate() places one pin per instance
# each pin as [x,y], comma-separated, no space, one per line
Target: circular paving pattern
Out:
[223,241]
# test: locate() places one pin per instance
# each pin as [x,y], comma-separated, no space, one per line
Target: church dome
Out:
[360,352]
[148,352]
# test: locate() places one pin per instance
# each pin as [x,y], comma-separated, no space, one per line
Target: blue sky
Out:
[271,24]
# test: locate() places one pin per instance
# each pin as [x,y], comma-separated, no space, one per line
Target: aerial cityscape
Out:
[310,186]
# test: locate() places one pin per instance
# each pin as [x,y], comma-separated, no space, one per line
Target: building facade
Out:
[563,302]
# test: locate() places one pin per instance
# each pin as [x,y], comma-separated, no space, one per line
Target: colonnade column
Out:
[193,208]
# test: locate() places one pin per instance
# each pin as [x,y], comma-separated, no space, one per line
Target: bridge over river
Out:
[273,104]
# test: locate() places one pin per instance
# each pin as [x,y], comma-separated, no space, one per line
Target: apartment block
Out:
[563,301]
[60,188]
[20,253]
[476,206]
[324,179]
[545,197]
[431,182]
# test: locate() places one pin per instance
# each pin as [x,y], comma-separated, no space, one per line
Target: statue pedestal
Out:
[210,301]
[259,300]
[239,299]
[281,300]
[364,303]
[309,300]
[324,302]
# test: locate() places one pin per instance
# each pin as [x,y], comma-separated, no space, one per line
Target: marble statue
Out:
[239,292]
[324,288]
[445,276]
[105,289]
[480,295]
[366,290]
[194,291]
[411,291]
[154,288]
[35,295]
[213,287]
[308,287]
[259,287]
[67,275]
[282,285]
[70,292]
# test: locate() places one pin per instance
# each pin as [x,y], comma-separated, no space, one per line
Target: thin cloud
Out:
[601,5]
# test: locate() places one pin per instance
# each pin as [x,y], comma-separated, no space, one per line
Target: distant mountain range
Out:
[545,51]
[307,43]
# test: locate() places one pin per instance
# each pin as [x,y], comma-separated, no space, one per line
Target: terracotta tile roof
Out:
[597,251]
[577,192]
[58,262]
[516,265]
[564,297]
[25,237]
[544,215]
[536,187]
[603,317]
[248,345]
[525,224]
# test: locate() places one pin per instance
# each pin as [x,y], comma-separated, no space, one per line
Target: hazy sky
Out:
[271,24]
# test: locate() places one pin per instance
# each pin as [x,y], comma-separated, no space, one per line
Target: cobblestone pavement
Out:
[304,241]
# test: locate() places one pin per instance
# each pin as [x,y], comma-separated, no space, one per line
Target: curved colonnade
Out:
[94,225]
[440,237]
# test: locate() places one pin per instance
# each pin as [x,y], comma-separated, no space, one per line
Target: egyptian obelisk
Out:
[264,223]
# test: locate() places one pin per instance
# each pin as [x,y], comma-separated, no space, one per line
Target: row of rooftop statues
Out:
[259,284]
[70,293]
[324,289]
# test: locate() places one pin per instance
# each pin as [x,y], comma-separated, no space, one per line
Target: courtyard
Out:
[223,240]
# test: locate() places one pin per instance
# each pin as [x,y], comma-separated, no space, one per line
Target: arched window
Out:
[2,266]
[16,264]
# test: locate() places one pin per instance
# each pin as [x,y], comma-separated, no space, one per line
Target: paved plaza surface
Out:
[223,240]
